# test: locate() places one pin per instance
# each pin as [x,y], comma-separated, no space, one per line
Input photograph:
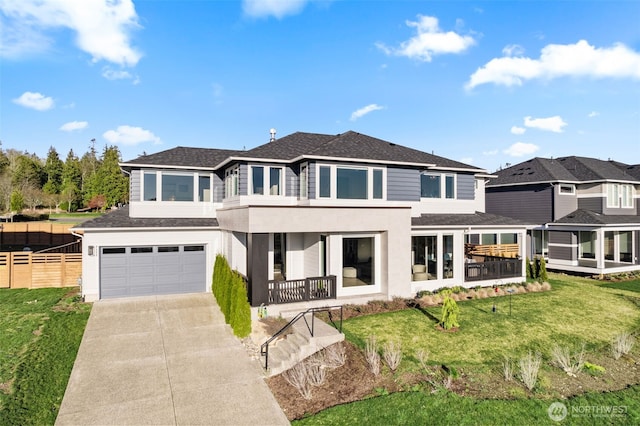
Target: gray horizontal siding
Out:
[561,253]
[466,187]
[564,203]
[403,184]
[533,203]
[562,237]
[243,179]
[134,185]
[292,182]
[593,204]
[311,171]
[218,188]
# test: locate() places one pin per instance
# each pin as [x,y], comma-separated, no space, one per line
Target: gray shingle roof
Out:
[184,157]
[347,145]
[120,219]
[471,219]
[630,169]
[563,169]
[587,217]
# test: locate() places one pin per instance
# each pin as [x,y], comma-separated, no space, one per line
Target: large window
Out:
[266,180]
[587,244]
[433,185]
[358,256]
[540,242]
[430,186]
[619,195]
[625,239]
[177,187]
[424,264]
[352,184]
[150,186]
[447,256]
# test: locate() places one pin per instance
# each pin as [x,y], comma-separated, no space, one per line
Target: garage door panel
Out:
[135,271]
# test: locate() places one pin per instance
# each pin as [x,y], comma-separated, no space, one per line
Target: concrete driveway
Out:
[165,360]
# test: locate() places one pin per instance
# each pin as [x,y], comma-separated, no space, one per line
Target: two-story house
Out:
[306,218]
[586,211]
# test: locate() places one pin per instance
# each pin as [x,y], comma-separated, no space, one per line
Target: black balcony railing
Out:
[303,290]
[493,269]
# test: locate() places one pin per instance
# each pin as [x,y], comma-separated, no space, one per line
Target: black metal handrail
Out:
[302,290]
[264,348]
[493,269]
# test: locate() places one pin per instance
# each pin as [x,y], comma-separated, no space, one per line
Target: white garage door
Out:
[152,270]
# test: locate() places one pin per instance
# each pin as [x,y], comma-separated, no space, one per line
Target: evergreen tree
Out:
[53,168]
[71,182]
[28,172]
[17,201]
[111,182]
[89,165]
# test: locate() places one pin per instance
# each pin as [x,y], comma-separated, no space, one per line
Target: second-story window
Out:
[430,186]
[377,184]
[177,187]
[434,185]
[232,182]
[149,191]
[275,181]
[204,188]
[257,180]
[626,196]
[325,181]
[352,183]
[619,195]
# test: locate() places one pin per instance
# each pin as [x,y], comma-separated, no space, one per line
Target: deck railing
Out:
[303,290]
[494,269]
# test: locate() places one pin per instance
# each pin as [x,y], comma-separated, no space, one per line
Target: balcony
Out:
[303,290]
[493,270]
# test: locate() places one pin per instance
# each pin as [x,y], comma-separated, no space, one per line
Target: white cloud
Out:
[129,135]
[276,8]
[35,100]
[111,74]
[74,125]
[520,149]
[518,130]
[102,27]
[552,124]
[560,60]
[430,40]
[513,50]
[593,114]
[364,111]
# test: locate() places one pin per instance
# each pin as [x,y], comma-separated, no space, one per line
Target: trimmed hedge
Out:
[229,289]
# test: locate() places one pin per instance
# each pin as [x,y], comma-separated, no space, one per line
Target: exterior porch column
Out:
[600,248]
[258,268]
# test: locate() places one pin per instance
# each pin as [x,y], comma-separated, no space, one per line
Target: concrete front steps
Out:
[287,351]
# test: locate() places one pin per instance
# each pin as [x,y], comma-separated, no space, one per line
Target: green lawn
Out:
[575,311]
[73,217]
[40,332]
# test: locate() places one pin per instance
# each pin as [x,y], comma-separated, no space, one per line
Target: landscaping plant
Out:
[450,311]
[622,345]
[529,367]
[372,356]
[571,364]
[392,354]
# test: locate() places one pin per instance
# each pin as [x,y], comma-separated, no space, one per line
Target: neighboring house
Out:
[587,211]
[306,218]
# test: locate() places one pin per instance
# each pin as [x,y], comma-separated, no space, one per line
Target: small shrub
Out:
[529,367]
[507,368]
[482,293]
[450,311]
[316,369]
[335,355]
[571,364]
[542,270]
[372,356]
[533,287]
[622,345]
[423,357]
[392,354]
[593,369]
[427,300]
[545,286]
[298,377]
[530,273]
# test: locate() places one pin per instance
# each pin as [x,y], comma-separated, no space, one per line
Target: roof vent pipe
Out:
[273,135]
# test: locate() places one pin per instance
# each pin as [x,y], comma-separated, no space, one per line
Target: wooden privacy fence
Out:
[39,270]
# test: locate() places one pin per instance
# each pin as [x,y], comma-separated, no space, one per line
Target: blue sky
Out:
[485,83]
